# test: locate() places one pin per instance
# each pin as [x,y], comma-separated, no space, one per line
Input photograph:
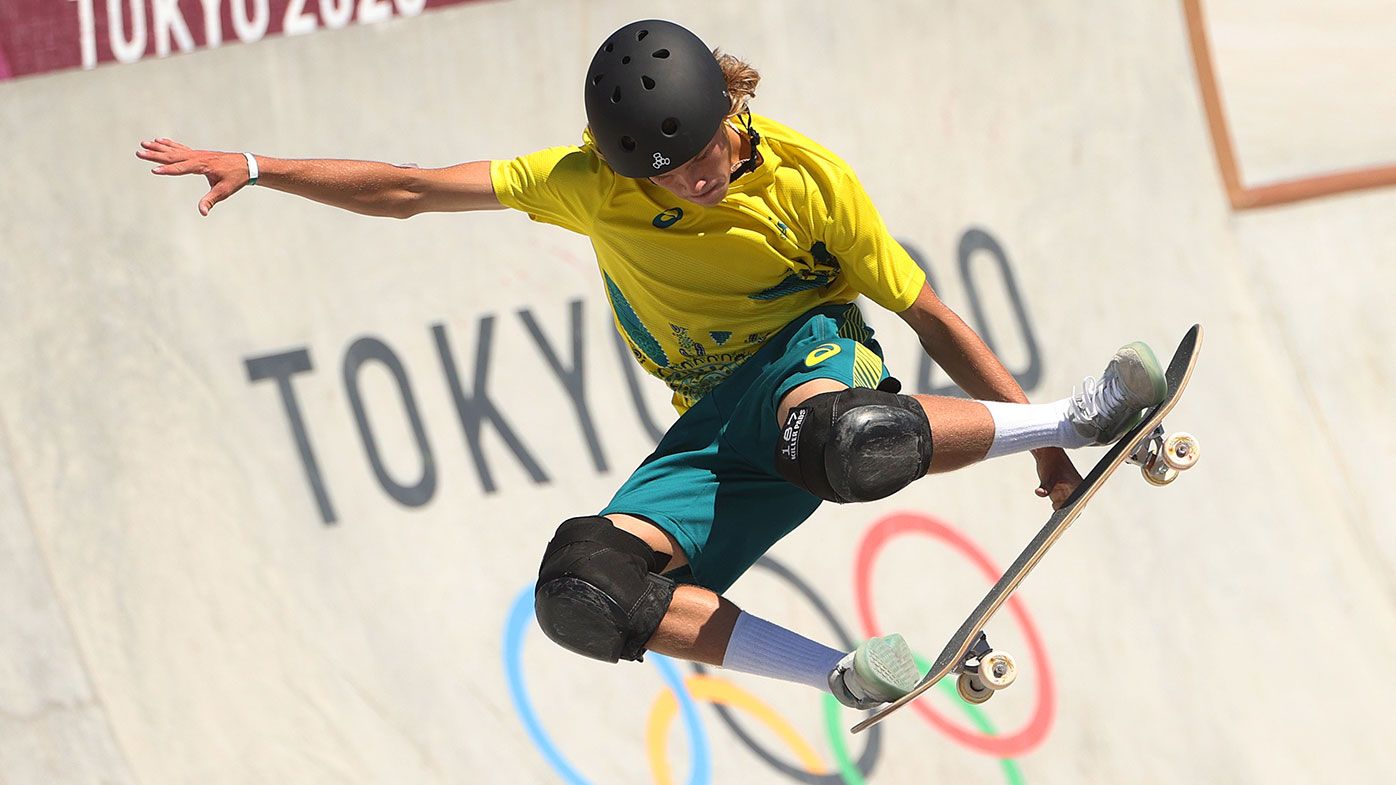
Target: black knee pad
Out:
[599,593]
[855,445]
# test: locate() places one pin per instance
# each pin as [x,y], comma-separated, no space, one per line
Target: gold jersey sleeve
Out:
[876,264]
[557,185]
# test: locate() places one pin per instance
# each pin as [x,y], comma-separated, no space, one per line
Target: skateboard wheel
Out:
[1181,451]
[1159,473]
[997,670]
[972,689]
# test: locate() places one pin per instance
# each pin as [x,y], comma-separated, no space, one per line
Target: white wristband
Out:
[251,168]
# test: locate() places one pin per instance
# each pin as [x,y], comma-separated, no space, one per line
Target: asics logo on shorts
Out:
[660,161]
[821,353]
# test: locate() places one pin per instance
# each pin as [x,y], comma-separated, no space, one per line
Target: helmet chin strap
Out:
[750,164]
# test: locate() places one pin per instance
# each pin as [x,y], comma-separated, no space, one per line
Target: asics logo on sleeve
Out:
[668,218]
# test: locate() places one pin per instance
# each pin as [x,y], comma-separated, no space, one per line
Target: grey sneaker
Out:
[879,670]
[1104,410]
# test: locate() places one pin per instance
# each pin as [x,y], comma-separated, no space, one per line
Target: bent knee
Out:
[598,591]
[855,445]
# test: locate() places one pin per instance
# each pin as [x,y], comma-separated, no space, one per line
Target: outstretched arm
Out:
[365,187]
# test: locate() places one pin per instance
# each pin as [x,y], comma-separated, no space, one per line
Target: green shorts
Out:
[712,481]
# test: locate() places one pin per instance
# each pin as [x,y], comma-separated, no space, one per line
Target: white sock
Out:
[761,648]
[1019,427]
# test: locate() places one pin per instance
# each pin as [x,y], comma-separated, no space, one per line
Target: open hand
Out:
[226,172]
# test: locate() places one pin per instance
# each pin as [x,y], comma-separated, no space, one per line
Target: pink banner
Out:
[37,36]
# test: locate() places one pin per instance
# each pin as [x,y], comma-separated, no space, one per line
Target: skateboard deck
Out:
[981,669]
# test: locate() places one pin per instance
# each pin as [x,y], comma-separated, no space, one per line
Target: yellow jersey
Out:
[697,290]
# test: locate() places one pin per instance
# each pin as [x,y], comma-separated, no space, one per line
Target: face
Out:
[704,179]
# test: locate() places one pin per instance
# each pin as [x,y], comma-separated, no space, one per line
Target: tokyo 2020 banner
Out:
[38,36]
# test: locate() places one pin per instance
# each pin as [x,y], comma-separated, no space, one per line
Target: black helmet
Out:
[655,96]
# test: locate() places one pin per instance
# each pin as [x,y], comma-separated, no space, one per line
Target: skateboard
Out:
[1160,457]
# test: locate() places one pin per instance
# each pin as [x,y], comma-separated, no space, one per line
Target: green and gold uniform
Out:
[732,306]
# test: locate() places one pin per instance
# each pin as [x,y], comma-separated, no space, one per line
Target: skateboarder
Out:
[731,249]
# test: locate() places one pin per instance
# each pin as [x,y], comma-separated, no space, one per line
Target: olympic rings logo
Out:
[681,694]
[1038,726]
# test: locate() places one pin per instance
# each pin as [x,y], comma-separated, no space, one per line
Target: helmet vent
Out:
[654,98]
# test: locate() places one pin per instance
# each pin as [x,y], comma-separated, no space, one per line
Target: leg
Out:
[596,597]
[698,626]
[854,444]
[698,623]
[599,594]
[961,430]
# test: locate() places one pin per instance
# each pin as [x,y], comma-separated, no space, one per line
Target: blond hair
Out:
[741,80]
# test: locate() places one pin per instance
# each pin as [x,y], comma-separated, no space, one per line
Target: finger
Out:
[214,196]
[181,167]
[159,156]
[153,148]
[163,146]
[168,142]
[1062,492]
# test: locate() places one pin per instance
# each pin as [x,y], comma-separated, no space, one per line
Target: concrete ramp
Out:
[274,483]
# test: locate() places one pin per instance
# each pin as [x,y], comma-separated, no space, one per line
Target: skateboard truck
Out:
[1160,456]
[983,671]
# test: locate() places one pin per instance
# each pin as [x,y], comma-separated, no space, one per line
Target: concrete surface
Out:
[182,603]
